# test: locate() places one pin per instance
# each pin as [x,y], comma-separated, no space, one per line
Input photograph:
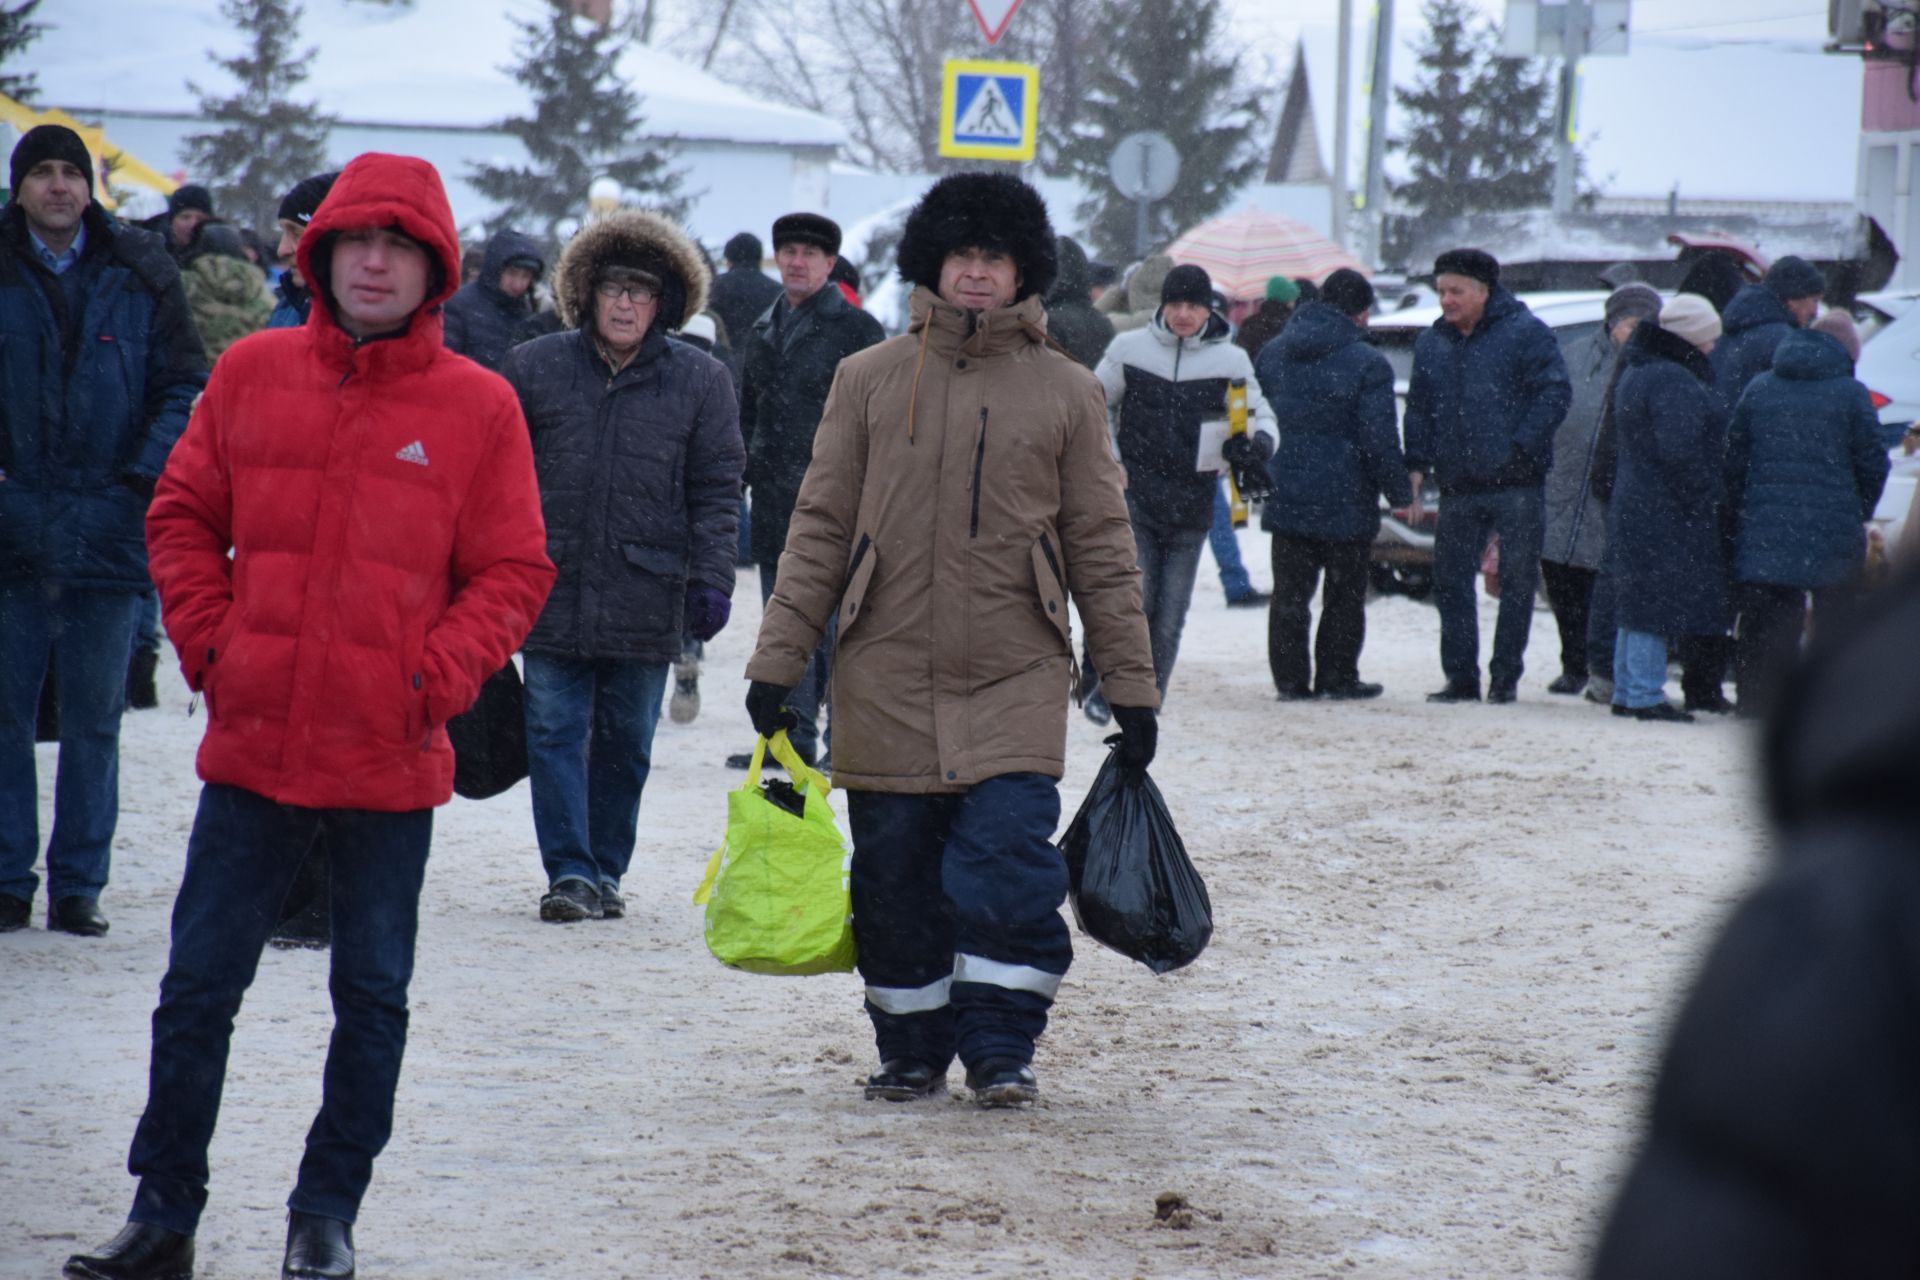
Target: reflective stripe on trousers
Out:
[966,968]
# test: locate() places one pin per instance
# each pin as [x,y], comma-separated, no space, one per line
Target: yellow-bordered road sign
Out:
[988,110]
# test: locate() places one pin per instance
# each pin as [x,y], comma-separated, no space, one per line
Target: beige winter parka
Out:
[962,486]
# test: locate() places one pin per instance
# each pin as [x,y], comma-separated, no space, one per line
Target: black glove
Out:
[1246,451]
[1139,735]
[766,707]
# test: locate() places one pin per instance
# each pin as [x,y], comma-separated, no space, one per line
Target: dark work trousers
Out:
[1467,522]
[1570,592]
[1601,627]
[956,913]
[241,858]
[1703,667]
[1772,623]
[1297,566]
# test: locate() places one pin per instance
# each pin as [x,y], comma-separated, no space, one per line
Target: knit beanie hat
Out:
[1692,317]
[1636,301]
[1187,283]
[1794,277]
[49,142]
[1348,292]
[1282,290]
[744,249]
[1838,324]
[303,201]
[190,196]
[1476,264]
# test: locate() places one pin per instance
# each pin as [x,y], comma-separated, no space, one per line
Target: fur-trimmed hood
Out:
[980,211]
[634,239]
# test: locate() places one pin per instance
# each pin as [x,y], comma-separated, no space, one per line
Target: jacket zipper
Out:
[979,462]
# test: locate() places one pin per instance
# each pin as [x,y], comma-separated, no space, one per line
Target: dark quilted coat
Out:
[1663,531]
[90,396]
[1804,467]
[481,320]
[1755,323]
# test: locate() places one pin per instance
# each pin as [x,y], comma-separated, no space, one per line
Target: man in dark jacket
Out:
[1071,319]
[1332,395]
[743,292]
[637,441]
[297,208]
[1783,1129]
[483,315]
[1489,389]
[1576,528]
[100,363]
[1759,318]
[790,357]
[1804,471]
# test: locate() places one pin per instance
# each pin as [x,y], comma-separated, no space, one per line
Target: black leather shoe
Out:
[317,1248]
[1295,693]
[1717,705]
[76,915]
[905,1080]
[14,913]
[1502,693]
[1251,600]
[570,900]
[139,1252]
[1568,684]
[1357,691]
[1663,711]
[1001,1082]
[1456,691]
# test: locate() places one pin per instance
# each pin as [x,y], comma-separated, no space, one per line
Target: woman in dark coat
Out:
[1804,472]
[1663,533]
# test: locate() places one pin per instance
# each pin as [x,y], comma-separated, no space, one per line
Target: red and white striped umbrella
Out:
[1241,250]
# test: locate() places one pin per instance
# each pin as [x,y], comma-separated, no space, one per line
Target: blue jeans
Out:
[1226,548]
[241,858]
[956,914]
[90,634]
[1639,669]
[811,693]
[1169,562]
[1467,522]
[589,749]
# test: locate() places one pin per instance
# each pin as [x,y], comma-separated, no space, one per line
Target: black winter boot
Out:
[317,1248]
[139,1252]
[905,1080]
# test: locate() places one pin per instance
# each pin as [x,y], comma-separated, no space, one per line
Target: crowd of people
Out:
[353,496]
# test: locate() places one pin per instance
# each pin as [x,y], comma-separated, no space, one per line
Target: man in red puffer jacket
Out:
[377,495]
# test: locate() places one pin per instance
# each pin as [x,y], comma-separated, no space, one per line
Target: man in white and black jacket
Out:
[1162,382]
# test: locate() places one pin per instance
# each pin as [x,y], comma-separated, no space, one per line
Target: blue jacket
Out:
[1339,449]
[291,303]
[1755,323]
[1482,408]
[480,317]
[1663,526]
[1804,467]
[92,398]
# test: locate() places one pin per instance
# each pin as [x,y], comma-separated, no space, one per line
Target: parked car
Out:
[1402,560]
[1890,367]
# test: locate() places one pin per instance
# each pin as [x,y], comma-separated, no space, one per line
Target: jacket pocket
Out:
[859,577]
[1050,581]
[660,562]
[414,686]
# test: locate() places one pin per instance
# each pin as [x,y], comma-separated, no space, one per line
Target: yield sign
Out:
[993,17]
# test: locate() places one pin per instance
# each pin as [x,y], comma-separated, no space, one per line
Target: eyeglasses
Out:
[638,294]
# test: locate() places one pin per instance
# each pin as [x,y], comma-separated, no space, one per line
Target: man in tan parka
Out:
[962,487]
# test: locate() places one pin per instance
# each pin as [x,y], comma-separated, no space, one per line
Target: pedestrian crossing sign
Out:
[987,110]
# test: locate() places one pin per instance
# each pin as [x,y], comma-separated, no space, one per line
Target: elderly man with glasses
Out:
[636,438]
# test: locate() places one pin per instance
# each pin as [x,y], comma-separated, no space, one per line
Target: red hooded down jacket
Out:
[388,553]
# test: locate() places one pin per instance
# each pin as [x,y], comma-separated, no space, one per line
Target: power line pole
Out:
[1343,96]
[1382,97]
[1573,46]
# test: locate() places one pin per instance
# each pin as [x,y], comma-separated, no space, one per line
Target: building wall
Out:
[1890,163]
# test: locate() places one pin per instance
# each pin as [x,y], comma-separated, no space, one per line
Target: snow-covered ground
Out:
[1448,940]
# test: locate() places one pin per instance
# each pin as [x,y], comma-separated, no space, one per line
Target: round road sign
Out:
[1145,166]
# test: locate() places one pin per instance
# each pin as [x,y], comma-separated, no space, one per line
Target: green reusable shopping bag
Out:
[776,888]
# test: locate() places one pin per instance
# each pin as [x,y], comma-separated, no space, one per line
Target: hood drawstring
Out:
[913,396]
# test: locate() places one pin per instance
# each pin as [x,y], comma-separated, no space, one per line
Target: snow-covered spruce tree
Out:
[1158,65]
[586,122]
[17,31]
[267,141]
[1480,128]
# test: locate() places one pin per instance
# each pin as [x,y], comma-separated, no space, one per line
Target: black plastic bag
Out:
[490,738]
[1131,884]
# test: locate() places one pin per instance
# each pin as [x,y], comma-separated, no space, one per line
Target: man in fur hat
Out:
[636,437]
[962,486]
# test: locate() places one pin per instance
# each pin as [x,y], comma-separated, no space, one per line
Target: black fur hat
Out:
[807,228]
[980,211]
[1476,264]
